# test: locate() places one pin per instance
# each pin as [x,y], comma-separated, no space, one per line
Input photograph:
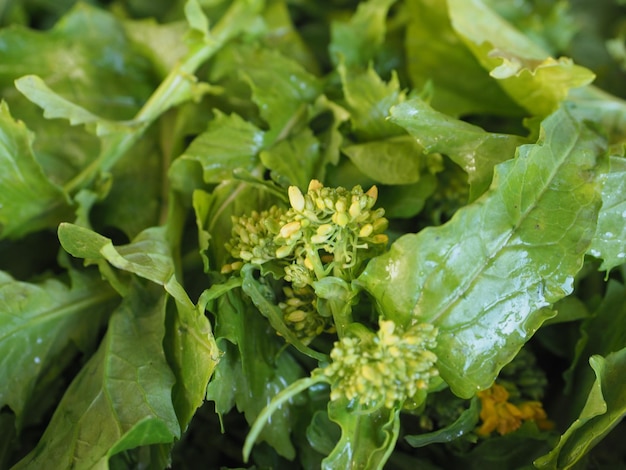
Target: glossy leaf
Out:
[228,144]
[29,201]
[609,243]
[125,388]
[487,277]
[471,147]
[38,321]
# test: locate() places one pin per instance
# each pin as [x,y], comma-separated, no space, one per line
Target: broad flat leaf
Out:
[437,55]
[38,321]
[609,244]
[369,98]
[356,42]
[486,277]
[605,408]
[229,143]
[29,201]
[534,80]
[121,399]
[397,160]
[367,439]
[471,147]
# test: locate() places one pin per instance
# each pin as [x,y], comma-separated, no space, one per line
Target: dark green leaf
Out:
[121,399]
[38,321]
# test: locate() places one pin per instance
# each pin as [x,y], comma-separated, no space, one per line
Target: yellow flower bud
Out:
[296,199]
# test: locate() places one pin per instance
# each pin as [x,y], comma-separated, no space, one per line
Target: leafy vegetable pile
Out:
[300,234]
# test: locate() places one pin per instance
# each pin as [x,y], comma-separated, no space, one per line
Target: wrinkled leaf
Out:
[486,277]
[121,399]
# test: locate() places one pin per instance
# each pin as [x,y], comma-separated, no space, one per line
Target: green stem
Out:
[283,396]
[173,90]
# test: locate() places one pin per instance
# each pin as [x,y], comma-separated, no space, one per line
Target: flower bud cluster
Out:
[253,238]
[332,230]
[300,313]
[383,369]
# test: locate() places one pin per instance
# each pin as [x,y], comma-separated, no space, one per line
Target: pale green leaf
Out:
[38,321]
[487,277]
[121,399]
[29,201]
[609,243]
[536,81]
[471,147]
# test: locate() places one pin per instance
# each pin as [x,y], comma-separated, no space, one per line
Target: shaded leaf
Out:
[38,321]
[125,389]
[29,201]
[486,277]
[604,409]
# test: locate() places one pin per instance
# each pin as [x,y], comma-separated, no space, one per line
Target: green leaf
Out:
[486,277]
[121,399]
[535,81]
[369,98]
[356,42]
[228,144]
[608,243]
[282,91]
[38,321]
[604,409]
[148,256]
[472,148]
[398,160]
[254,369]
[367,439]
[296,160]
[465,423]
[436,56]
[29,201]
